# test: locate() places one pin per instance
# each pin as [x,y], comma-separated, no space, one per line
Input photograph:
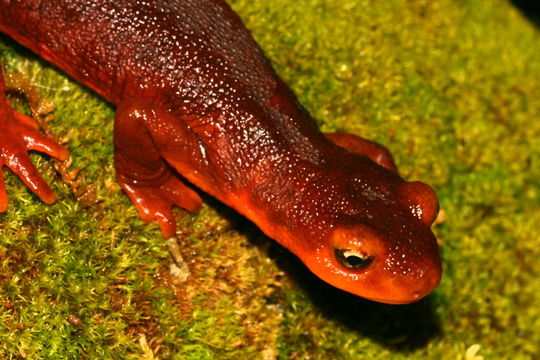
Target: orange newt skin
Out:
[198,101]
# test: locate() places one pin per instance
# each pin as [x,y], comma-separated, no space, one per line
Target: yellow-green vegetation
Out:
[450,86]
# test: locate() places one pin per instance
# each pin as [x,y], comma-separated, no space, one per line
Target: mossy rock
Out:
[451,87]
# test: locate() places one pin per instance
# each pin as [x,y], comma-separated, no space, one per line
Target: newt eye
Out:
[352,259]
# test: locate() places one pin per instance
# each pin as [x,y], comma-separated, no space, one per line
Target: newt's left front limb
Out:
[150,144]
[19,134]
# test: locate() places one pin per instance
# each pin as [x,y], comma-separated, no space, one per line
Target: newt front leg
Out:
[143,133]
[18,135]
[371,149]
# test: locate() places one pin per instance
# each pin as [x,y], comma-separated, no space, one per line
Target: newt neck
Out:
[291,199]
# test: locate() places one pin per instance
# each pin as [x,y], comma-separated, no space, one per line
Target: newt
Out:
[198,104]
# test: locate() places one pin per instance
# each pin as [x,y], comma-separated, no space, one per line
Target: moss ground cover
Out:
[451,87]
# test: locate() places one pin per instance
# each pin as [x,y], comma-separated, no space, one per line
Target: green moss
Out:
[450,86]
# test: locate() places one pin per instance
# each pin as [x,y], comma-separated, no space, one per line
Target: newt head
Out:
[387,251]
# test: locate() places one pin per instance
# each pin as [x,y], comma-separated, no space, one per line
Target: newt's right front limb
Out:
[18,135]
[376,152]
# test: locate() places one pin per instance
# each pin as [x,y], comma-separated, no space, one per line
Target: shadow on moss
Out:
[19,49]
[529,8]
[402,328]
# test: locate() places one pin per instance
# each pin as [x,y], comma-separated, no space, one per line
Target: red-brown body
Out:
[196,97]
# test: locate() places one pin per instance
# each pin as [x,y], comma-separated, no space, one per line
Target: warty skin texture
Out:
[195,96]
